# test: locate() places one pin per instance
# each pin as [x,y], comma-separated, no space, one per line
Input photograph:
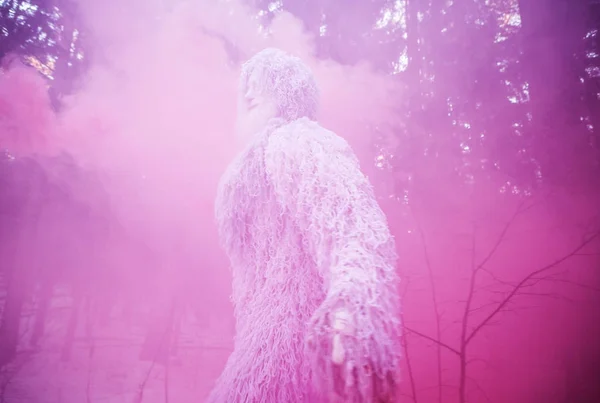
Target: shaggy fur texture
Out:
[285,79]
[306,237]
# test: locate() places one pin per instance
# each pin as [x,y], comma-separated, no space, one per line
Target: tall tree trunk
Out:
[11,317]
[17,293]
[71,328]
[412,43]
[45,298]
[552,39]
[592,84]
[178,312]
[157,344]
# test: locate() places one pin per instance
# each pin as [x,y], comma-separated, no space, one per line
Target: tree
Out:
[46,35]
[554,58]
[501,108]
[22,195]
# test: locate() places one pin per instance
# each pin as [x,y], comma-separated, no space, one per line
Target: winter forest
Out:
[477,121]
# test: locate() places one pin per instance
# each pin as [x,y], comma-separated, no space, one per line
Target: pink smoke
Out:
[27,122]
[154,117]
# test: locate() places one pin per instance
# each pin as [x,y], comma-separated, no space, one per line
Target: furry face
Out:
[274,84]
[255,109]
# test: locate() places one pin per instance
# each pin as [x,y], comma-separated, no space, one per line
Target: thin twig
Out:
[167,363]
[465,321]
[446,346]
[92,348]
[475,268]
[573,283]
[88,387]
[438,323]
[502,235]
[523,282]
[404,341]
[165,336]
[411,375]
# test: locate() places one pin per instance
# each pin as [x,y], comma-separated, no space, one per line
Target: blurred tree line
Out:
[42,34]
[493,86]
[496,87]
[506,90]
[46,34]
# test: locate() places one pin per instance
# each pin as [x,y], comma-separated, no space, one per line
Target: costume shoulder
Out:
[304,146]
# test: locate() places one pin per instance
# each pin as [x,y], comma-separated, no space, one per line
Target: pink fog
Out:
[251,201]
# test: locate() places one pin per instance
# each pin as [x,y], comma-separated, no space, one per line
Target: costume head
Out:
[275,84]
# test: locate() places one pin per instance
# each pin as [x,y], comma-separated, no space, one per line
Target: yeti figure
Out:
[314,282]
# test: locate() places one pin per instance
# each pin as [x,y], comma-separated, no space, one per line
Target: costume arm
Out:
[318,180]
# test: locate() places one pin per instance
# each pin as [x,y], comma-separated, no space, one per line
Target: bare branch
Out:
[503,233]
[465,319]
[524,281]
[438,321]
[464,339]
[573,283]
[411,376]
[88,386]
[474,269]
[481,360]
[481,390]
[492,275]
[446,346]
[483,306]
[551,295]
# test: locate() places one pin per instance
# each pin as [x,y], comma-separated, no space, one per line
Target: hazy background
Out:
[477,122]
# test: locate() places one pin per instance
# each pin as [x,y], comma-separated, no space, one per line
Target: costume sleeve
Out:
[317,178]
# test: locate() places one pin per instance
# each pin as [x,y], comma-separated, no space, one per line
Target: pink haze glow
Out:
[155,118]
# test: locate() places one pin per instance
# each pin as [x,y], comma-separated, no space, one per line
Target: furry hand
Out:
[352,354]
